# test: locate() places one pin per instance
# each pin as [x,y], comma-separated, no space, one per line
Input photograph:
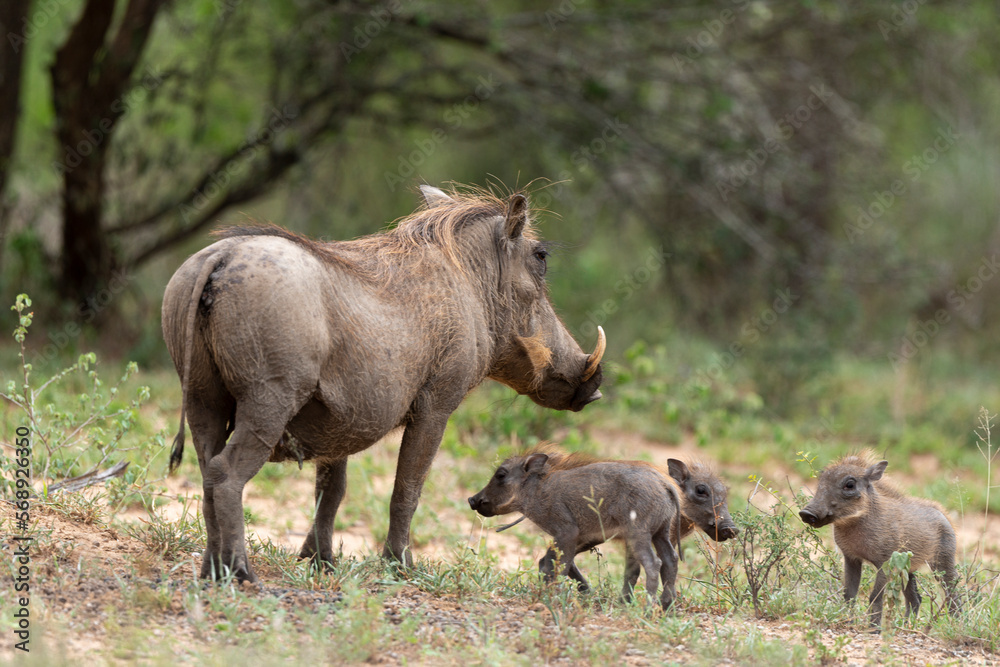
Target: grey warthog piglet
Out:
[583,502]
[294,349]
[704,504]
[872,519]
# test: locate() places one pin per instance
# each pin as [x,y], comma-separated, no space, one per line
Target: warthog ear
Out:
[678,470]
[517,215]
[535,462]
[875,472]
[433,196]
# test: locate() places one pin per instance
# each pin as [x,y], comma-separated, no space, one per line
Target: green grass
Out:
[776,571]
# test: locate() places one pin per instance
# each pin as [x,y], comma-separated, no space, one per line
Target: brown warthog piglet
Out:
[704,504]
[704,500]
[584,503]
[872,519]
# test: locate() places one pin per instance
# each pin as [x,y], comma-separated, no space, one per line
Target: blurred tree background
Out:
[771,191]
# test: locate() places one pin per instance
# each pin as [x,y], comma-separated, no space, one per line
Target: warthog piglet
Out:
[582,506]
[872,519]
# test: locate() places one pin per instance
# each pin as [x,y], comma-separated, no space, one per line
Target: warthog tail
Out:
[177,452]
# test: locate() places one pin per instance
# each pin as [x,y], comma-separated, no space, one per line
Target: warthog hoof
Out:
[213,569]
[405,562]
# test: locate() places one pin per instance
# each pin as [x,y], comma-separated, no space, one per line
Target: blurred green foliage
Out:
[650,127]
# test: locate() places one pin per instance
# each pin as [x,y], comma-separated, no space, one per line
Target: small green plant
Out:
[984,443]
[170,540]
[594,505]
[823,654]
[67,440]
[897,572]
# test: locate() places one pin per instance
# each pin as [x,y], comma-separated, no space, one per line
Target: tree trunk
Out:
[91,72]
[13,14]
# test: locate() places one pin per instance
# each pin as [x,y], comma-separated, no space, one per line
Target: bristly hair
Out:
[560,459]
[861,457]
[436,225]
[864,459]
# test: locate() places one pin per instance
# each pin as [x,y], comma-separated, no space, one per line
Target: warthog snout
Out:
[810,517]
[584,395]
[727,531]
[481,505]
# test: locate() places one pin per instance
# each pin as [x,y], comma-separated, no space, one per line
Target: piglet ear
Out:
[517,215]
[434,196]
[535,462]
[678,470]
[875,472]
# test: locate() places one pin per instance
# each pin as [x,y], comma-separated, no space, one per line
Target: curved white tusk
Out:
[595,357]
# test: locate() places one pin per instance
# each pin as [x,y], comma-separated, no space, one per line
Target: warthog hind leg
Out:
[257,431]
[331,483]
[912,595]
[632,570]
[208,430]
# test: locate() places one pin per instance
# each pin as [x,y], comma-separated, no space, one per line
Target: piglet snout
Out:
[808,517]
[481,505]
[727,531]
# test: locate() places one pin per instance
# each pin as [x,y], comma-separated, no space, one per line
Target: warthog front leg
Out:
[331,483]
[547,567]
[668,566]
[416,453]
[566,542]
[852,577]
[875,600]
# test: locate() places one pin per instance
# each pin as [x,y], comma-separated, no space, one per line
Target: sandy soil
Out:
[107,556]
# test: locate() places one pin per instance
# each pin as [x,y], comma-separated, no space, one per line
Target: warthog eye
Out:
[501,473]
[541,254]
[701,490]
[849,484]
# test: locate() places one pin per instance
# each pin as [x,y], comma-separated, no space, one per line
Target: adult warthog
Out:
[289,348]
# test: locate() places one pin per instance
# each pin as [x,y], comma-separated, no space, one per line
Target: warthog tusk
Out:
[595,357]
[509,525]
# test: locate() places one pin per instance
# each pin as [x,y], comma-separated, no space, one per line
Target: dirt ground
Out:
[105,556]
